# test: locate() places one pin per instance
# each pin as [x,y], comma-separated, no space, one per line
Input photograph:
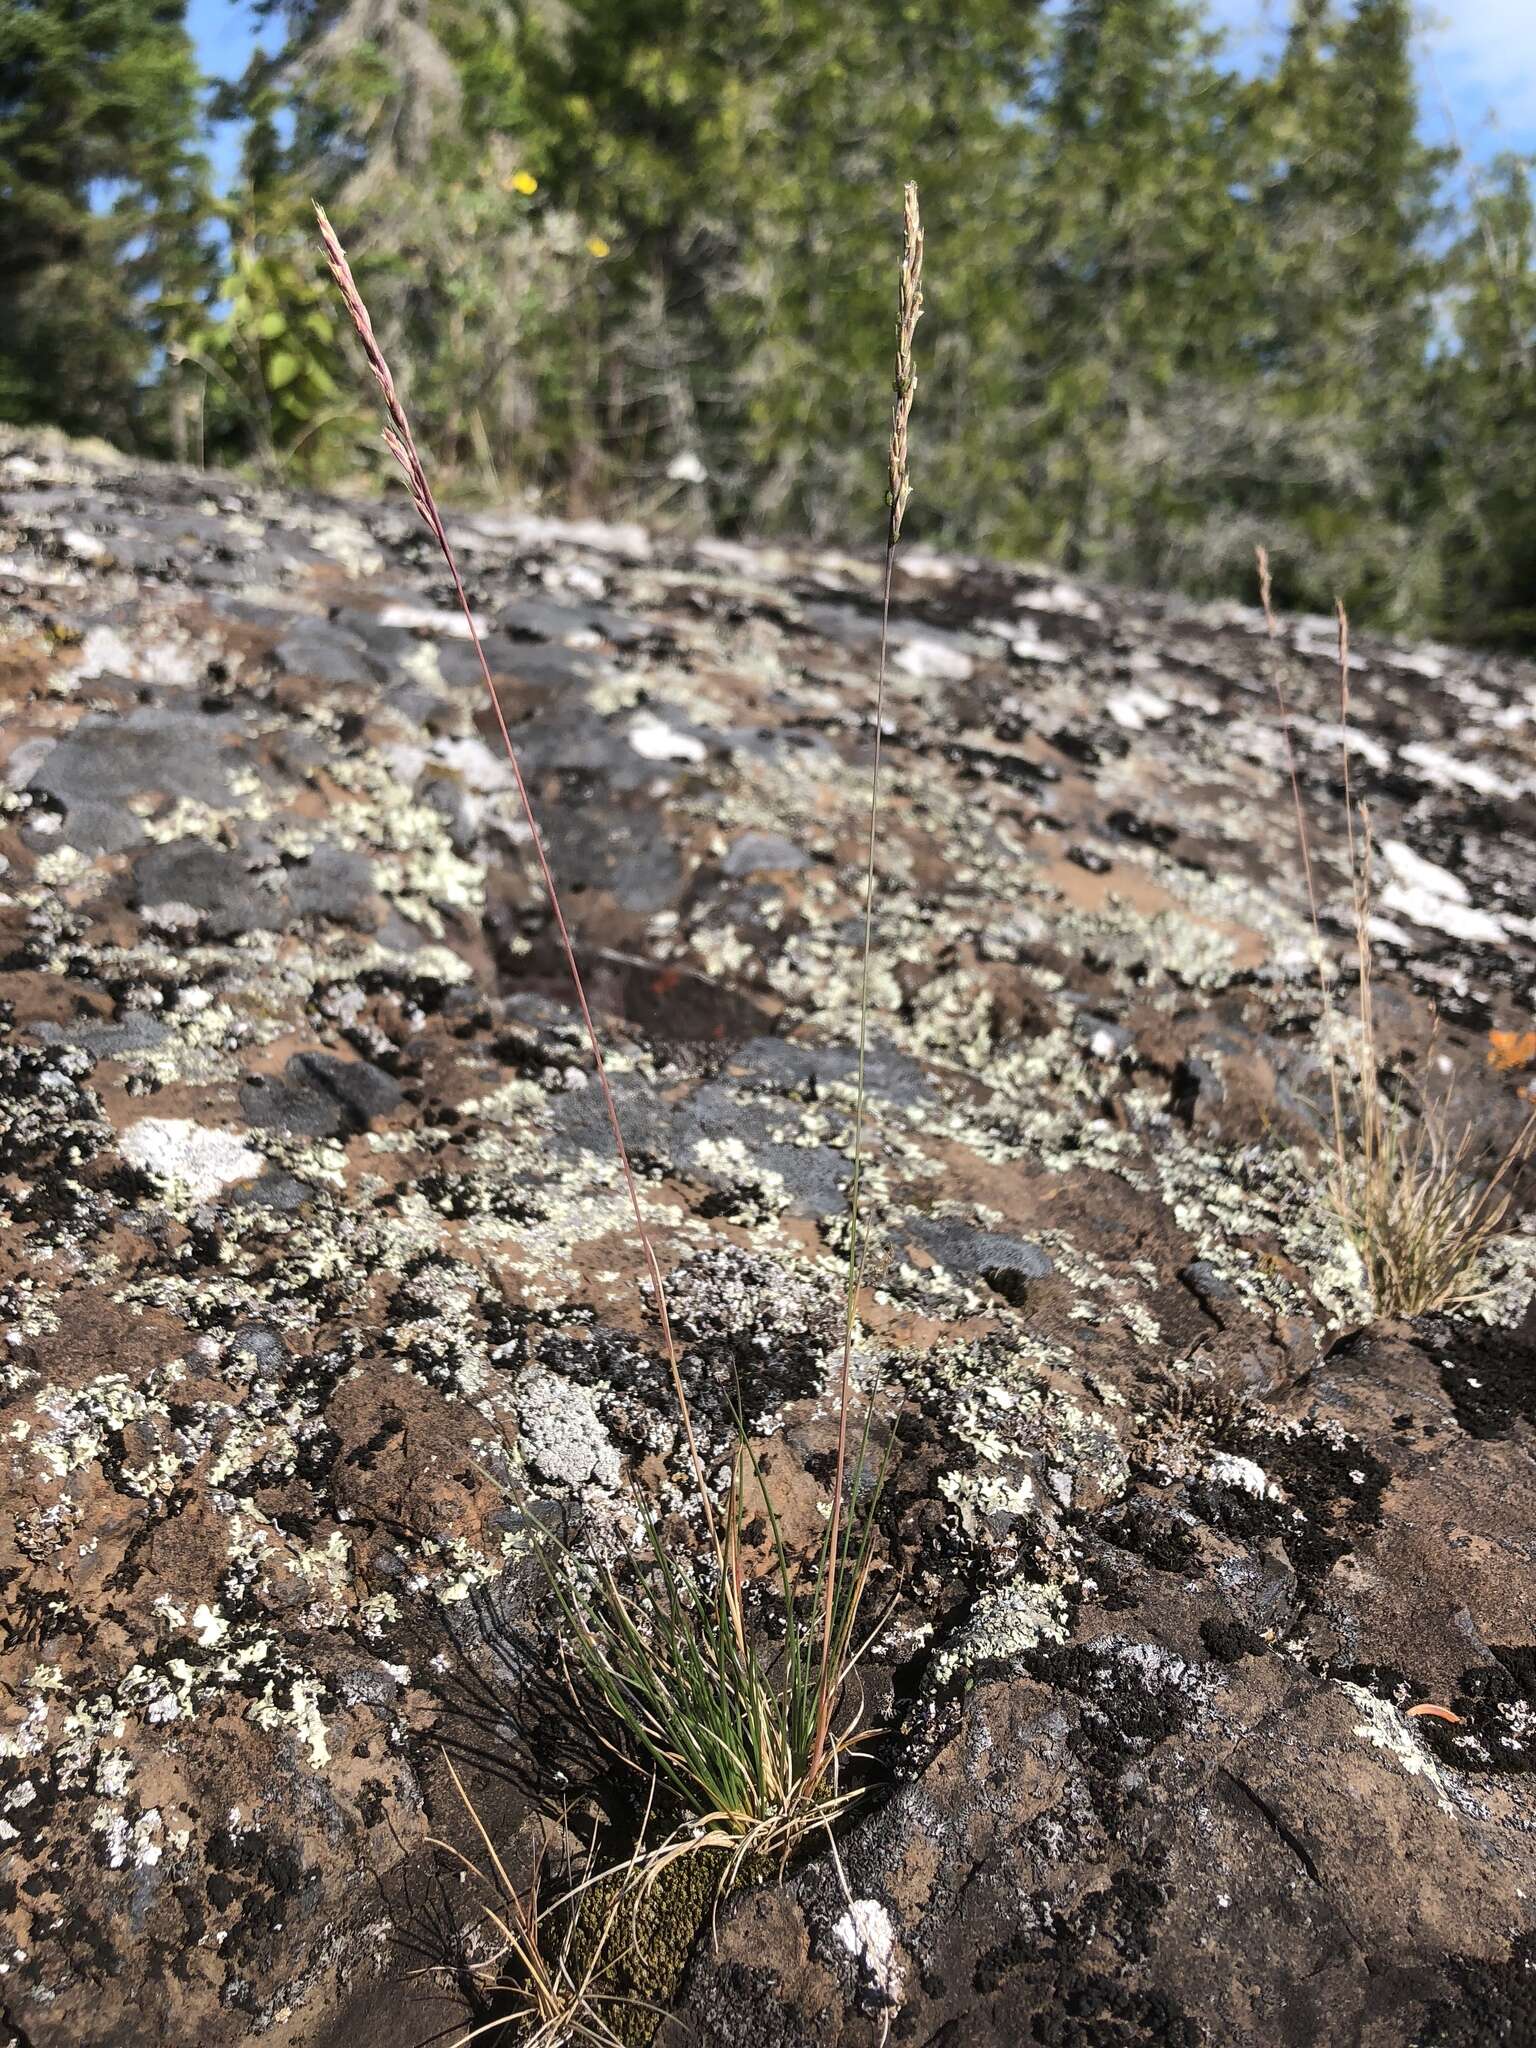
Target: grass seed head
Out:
[909,312]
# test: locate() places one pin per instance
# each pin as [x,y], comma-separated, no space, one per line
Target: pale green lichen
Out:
[1002,1627]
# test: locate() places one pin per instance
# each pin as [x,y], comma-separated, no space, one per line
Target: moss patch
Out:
[649,1940]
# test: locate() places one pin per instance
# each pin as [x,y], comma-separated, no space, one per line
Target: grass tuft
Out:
[670,1660]
[1405,1192]
[1403,1186]
[729,1721]
[1419,1216]
[739,1731]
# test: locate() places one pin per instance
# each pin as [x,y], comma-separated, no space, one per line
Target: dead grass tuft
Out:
[1403,1184]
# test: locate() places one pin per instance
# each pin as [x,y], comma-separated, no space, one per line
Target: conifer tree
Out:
[103,198]
[630,254]
[1127,280]
[1347,201]
[1486,392]
[412,121]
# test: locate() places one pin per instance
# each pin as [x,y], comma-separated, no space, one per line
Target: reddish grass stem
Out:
[1303,837]
[908,312]
[401,443]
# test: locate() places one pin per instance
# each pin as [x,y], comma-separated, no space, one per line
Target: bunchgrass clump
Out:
[728,1718]
[1419,1216]
[743,1733]
[1402,1184]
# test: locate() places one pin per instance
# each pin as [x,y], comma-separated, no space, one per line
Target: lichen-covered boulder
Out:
[317,1280]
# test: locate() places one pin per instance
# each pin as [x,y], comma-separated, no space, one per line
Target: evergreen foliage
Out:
[1485,394]
[628,255]
[103,207]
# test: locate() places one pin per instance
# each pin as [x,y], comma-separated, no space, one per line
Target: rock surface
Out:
[316,1273]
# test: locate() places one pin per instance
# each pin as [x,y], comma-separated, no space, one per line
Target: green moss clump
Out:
[649,1941]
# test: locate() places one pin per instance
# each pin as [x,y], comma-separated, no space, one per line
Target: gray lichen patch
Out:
[561,1437]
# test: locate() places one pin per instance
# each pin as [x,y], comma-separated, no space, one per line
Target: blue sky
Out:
[225,34]
[1477,64]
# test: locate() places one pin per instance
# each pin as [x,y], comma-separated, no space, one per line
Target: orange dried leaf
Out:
[1435,1714]
[1511,1050]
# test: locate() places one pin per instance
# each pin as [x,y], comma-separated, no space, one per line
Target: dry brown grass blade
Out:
[544,1996]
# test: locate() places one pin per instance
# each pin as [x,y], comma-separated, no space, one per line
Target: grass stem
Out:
[401,444]
[739,1734]
[909,311]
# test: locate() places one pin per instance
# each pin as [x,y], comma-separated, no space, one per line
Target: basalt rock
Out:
[317,1286]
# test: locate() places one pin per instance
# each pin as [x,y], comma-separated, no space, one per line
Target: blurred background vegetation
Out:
[635,256]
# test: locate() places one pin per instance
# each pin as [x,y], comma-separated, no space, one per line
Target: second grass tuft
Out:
[737,1726]
[1403,1184]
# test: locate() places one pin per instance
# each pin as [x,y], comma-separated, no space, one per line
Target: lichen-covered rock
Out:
[1210,1814]
[317,1281]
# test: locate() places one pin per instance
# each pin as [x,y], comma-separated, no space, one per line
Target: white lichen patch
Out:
[1135,709]
[561,1435]
[194,1163]
[987,1493]
[865,1933]
[1384,1728]
[1226,1469]
[654,740]
[1435,898]
[294,1709]
[1269,1194]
